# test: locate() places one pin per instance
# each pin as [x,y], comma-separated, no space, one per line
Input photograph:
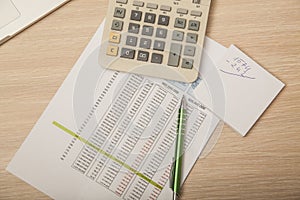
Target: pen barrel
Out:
[179,152]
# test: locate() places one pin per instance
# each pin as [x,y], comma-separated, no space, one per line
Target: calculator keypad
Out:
[156,32]
[175,49]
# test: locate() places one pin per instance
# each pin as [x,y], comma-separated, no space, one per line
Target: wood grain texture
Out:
[263,165]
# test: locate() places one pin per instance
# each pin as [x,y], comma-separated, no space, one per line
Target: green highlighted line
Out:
[60,126]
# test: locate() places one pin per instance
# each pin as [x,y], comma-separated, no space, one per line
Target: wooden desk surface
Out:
[263,165]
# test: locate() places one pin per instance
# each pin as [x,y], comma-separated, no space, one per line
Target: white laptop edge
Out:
[29,15]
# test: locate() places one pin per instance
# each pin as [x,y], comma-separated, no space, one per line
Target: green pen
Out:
[177,165]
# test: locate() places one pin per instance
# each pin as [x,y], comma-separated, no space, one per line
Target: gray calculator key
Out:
[131,41]
[145,43]
[136,15]
[159,45]
[178,35]
[117,25]
[163,20]
[196,13]
[192,38]
[182,11]
[165,8]
[161,33]
[122,1]
[127,53]
[157,58]
[133,28]
[150,18]
[180,23]
[194,25]
[138,3]
[152,5]
[147,30]
[187,63]
[143,56]
[119,12]
[189,50]
[174,55]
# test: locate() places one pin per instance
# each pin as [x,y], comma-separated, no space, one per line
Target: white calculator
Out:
[155,38]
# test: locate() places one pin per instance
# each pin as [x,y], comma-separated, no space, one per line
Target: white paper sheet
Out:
[240,89]
[110,135]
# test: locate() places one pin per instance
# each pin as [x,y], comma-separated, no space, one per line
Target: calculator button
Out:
[133,28]
[159,45]
[152,5]
[161,33]
[163,20]
[192,38]
[150,18]
[114,37]
[182,11]
[177,35]
[194,25]
[120,12]
[180,23]
[189,51]
[143,56]
[145,43]
[112,50]
[157,58]
[174,55]
[136,15]
[165,8]
[117,25]
[131,41]
[122,1]
[127,53]
[147,30]
[187,63]
[196,13]
[138,3]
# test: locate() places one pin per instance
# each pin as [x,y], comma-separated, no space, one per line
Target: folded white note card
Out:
[248,90]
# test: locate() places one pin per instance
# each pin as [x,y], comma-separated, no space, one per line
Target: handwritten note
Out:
[238,67]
